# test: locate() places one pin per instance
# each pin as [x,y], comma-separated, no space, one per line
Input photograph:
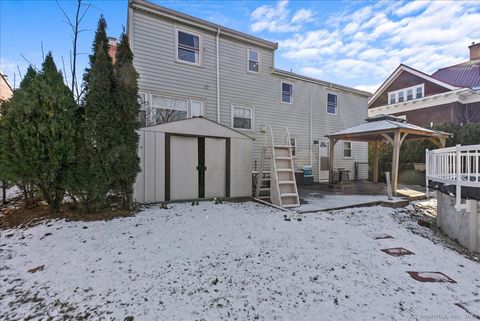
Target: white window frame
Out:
[252,112]
[326,106]
[200,46]
[189,102]
[405,94]
[146,96]
[248,61]
[189,112]
[343,150]
[295,146]
[281,92]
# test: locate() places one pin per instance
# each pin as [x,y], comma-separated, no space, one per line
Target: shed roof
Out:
[374,127]
[197,126]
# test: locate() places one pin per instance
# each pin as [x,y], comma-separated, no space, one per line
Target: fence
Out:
[458,166]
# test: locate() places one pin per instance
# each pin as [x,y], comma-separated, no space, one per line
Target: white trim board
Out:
[464,96]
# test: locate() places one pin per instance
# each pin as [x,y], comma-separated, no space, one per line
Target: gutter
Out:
[292,75]
[217,40]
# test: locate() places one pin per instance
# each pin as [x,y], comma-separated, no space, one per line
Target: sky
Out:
[353,43]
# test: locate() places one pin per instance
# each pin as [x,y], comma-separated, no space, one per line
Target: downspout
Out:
[310,144]
[217,40]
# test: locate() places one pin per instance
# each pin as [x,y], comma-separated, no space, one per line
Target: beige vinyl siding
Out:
[154,51]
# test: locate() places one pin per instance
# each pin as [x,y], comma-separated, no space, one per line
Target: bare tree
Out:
[75,26]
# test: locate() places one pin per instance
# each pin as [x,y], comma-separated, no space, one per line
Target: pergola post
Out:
[331,154]
[395,160]
[375,161]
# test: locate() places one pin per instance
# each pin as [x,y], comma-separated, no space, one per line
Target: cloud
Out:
[278,18]
[362,46]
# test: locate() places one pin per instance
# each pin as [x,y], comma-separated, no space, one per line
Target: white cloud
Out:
[362,47]
[277,18]
[369,88]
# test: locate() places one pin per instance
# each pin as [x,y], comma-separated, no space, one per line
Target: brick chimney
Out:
[112,48]
[474,51]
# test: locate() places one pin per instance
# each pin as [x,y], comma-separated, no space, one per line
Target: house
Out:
[449,95]
[190,67]
[6,90]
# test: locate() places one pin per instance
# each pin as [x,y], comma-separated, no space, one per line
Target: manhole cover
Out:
[431,277]
[397,251]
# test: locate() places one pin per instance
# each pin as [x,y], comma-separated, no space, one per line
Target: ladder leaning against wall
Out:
[283,187]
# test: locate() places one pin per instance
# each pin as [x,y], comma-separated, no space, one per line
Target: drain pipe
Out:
[218,75]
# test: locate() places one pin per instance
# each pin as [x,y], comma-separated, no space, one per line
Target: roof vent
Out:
[386,117]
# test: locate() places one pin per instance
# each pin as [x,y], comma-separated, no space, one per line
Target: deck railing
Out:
[458,166]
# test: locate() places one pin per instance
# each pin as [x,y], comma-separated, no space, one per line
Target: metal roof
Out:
[466,74]
[385,123]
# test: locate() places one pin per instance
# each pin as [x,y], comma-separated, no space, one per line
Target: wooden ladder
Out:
[283,187]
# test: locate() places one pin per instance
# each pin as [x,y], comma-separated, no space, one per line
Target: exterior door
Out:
[323,160]
[183,168]
[216,165]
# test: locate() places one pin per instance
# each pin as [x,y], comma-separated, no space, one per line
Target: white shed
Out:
[193,159]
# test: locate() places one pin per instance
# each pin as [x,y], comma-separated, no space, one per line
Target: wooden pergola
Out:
[383,128]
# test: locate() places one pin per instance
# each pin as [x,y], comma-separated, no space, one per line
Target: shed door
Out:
[216,164]
[183,168]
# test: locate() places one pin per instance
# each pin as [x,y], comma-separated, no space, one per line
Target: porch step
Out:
[286,182]
[284,170]
[283,158]
[288,195]
[264,197]
[291,205]
[263,189]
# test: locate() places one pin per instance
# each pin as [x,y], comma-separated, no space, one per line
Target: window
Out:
[287,92]
[253,60]
[142,100]
[410,94]
[242,117]
[196,108]
[419,92]
[142,114]
[391,99]
[167,109]
[347,150]
[188,47]
[406,94]
[332,104]
[293,143]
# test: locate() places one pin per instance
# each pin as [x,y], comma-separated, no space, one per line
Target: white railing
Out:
[458,165]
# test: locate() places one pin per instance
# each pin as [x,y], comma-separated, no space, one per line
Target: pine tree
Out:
[39,128]
[99,130]
[126,97]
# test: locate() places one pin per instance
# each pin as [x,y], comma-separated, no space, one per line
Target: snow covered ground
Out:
[239,261]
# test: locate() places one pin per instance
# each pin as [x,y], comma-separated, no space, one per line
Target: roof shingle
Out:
[465,75]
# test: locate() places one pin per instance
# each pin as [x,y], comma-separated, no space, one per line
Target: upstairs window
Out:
[419,92]
[410,94]
[253,60]
[406,94]
[332,104]
[188,47]
[287,93]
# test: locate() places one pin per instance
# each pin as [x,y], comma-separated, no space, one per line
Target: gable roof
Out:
[413,71]
[197,126]
[466,74]
[190,20]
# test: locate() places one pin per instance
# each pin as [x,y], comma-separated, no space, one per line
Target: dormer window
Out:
[406,94]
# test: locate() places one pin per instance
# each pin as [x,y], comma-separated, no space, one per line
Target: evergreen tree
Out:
[126,98]
[39,129]
[97,145]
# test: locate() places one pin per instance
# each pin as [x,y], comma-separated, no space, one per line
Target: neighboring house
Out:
[191,67]
[6,90]
[451,94]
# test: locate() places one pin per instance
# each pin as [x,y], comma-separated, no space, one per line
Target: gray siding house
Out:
[190,67]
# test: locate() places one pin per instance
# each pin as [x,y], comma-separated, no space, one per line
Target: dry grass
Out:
[16,215]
